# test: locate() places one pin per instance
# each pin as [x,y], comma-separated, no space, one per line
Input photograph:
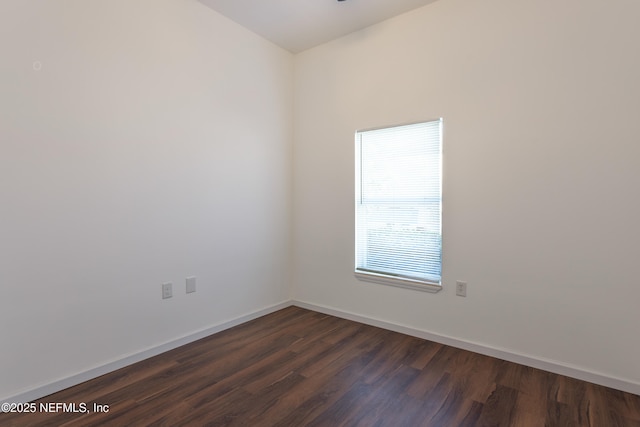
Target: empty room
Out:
[319,212]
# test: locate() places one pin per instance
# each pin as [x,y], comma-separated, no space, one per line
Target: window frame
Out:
[389,278]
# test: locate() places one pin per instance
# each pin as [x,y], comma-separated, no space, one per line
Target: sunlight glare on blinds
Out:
[398,212]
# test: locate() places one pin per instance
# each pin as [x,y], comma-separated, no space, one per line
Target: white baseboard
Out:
[499,353]
[61,384]
[547,365]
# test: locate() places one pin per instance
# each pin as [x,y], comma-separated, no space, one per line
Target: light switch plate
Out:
[191,284]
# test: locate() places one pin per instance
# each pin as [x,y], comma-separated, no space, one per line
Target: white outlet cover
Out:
[461,288]
[167,292]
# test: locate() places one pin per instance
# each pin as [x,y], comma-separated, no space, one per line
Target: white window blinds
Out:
[398,201]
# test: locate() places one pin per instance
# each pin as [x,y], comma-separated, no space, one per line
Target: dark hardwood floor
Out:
[301,368]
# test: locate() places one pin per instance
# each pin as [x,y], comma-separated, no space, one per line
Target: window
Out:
[398,205]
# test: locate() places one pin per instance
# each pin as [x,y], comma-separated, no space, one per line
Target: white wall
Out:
[154,144]
[540,102]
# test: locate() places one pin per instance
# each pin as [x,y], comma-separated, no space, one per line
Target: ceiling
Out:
[297,25]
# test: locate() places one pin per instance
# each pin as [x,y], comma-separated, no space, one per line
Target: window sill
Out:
[416,285]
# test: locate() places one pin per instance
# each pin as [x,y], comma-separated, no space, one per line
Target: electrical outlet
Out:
[461,288]
[191,284]
[167,291]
